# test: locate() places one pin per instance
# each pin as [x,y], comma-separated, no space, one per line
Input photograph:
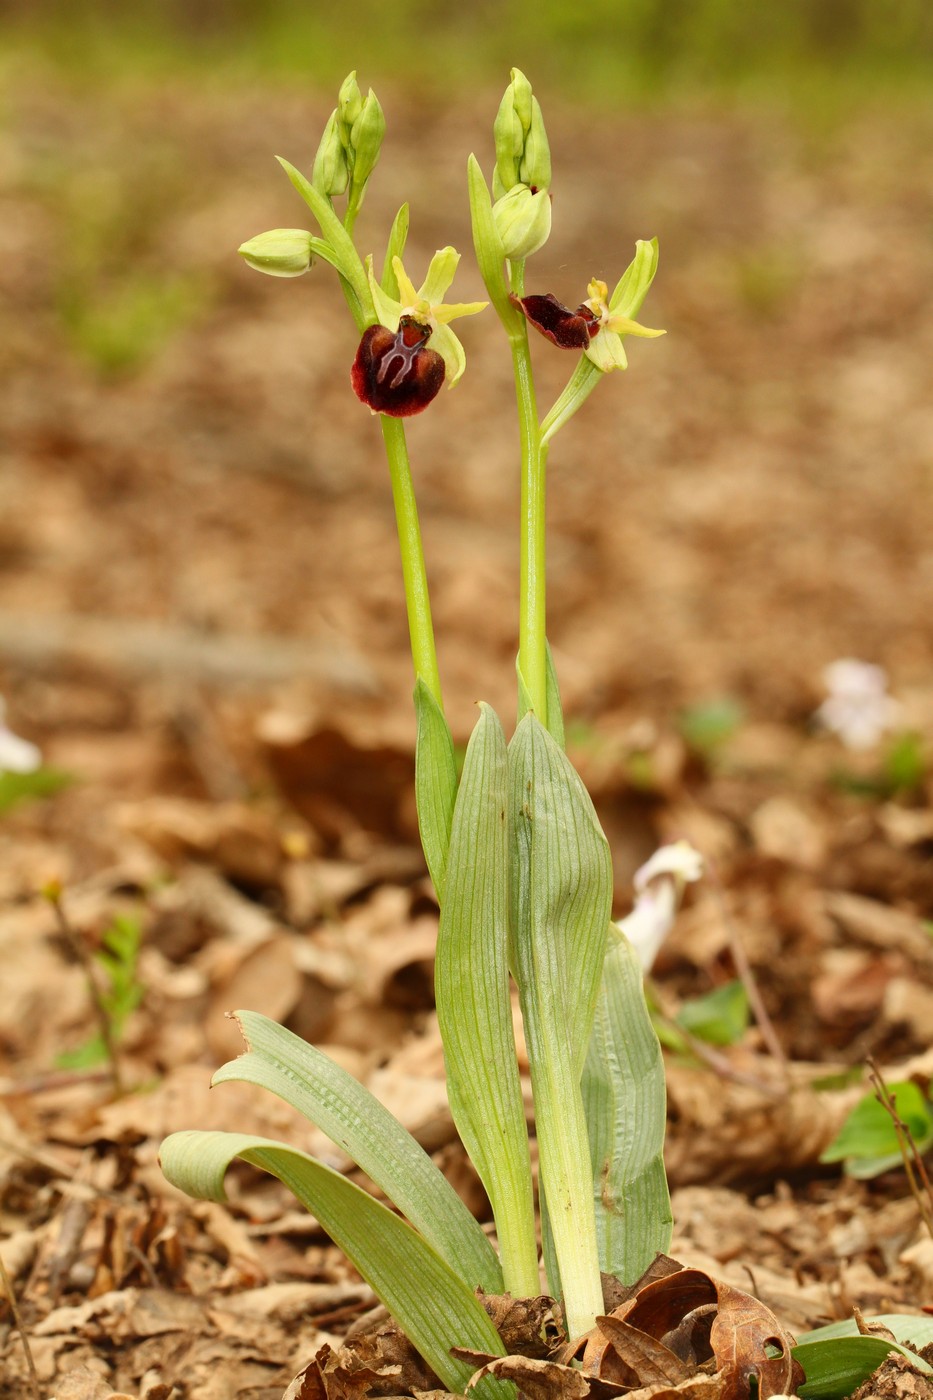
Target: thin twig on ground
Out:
[7,1283]
[918,1178]
[80,949]
[744,969]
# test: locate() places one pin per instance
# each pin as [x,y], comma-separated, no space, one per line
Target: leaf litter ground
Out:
[201,621]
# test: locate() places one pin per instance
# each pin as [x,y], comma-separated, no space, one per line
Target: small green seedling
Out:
[868,1143]
[118,992]
[520,865]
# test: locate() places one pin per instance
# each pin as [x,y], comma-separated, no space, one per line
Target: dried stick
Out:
[917,1176]
[744,969]
[18,1324]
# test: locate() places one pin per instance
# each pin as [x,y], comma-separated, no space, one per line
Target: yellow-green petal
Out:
[449,311]
[406,288]
[624,325]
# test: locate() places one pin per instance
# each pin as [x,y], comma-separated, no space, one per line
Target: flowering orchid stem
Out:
[532,643]
[417,601]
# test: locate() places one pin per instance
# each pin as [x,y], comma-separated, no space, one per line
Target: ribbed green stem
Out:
[532,635]
[417,601]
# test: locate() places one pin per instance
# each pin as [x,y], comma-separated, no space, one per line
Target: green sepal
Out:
[555,710]
[624,1100]
[633,286]
[560,904]
[474,1008]
[435,783]
[433,1306]
[398,237]
[283,1063]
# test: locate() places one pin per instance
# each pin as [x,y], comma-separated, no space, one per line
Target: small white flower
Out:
[659,886]
[858,708]
[16,755]
[681,860]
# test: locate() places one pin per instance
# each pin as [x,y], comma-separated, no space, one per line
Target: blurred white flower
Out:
[659,886]
[858,707]
[16,755]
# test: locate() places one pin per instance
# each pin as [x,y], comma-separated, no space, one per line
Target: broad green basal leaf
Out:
[434,1307]
[625,1100]
[474,1005]
[560,904]
[348,1113]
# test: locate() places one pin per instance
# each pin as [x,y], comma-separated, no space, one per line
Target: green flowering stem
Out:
[532,634]
[417,601]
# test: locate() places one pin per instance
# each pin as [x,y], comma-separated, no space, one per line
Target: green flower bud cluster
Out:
[523,156]
[522,177]
[349,147]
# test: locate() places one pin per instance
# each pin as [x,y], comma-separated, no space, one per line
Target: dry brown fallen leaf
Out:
[688,1322]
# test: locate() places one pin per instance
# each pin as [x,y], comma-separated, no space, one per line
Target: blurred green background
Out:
[600,50]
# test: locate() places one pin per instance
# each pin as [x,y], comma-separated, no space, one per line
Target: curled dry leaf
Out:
[685,1321]
[538,1380]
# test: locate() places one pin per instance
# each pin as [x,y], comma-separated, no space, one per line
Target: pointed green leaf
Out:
[560,898]
[434,1307]
[555,712]
[489,252]
[867,1140]
[908,1329]
[474,1006]
[348,1113]
[624,1100]
[435,783]
[398,237]
[345,257]
[836,1367]
[574,395]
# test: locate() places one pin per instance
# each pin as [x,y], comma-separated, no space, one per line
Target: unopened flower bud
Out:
[330,173]
[535,165]
[510,139]
[282,252]
[522,97]
[349,106]
[366,139]
[522,152]
[523,221]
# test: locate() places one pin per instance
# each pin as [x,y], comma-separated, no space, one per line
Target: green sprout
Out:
[113,983]
[521,868]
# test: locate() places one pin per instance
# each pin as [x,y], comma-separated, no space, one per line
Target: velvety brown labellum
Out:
[394,372]
[571,330]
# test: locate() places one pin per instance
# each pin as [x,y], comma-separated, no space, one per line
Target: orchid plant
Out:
[521,868]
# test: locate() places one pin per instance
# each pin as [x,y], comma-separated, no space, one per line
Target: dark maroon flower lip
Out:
[394,371]
[571,330]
